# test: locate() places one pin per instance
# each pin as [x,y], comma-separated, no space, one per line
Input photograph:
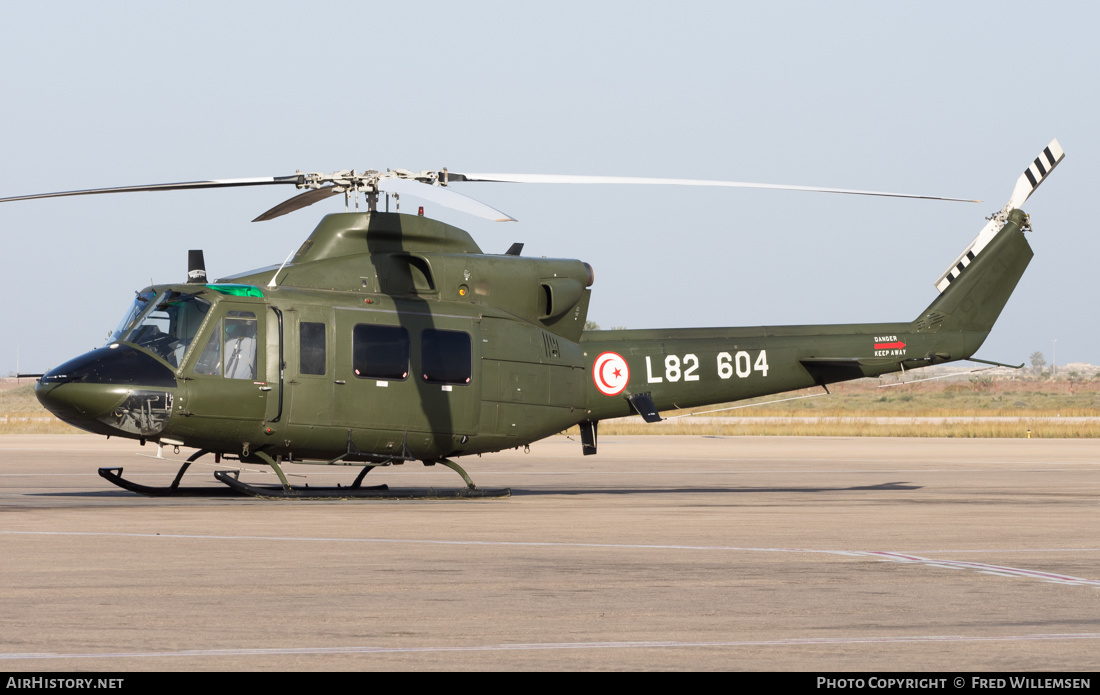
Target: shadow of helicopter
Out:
[216,492]
[891,487]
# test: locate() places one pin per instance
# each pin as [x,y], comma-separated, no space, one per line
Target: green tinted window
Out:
[237,290]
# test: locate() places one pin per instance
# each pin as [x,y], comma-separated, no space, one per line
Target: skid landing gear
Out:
[114,475]
[355,491]
[286,491]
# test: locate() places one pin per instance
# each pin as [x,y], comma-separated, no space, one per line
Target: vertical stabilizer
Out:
[975,296]
[976,287]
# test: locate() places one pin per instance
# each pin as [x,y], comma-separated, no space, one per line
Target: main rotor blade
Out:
[556,178]
[184,185]
[444,197]
[298,202]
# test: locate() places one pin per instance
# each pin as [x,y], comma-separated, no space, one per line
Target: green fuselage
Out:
[395,337]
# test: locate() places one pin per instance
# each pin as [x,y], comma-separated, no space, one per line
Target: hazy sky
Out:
[940,98]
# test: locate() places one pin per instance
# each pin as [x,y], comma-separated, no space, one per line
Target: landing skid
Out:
[114,475]
[285,491]
[270,492]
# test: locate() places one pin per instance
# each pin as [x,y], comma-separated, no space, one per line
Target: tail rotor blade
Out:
[1036,173]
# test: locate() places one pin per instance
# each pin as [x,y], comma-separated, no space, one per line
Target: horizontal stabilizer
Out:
[827,370]
[847,361]
[996,364]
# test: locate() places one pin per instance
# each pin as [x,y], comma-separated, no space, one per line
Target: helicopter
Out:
[390,338]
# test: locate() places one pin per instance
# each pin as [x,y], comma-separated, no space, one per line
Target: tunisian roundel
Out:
[610,373]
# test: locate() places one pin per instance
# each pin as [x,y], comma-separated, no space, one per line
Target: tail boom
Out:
[682,368]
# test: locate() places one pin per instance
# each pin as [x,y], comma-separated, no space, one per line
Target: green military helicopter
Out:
[390,338]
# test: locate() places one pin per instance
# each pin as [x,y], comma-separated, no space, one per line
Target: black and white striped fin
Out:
[1035,174]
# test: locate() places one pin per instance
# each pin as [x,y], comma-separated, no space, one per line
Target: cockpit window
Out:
[140,304]
[168,327]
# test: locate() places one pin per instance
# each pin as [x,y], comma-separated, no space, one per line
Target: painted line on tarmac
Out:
[1010,550]
[548,646]
[420,541]
[998,570]
[882,555]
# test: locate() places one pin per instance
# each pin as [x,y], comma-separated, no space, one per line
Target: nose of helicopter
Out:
[115,390]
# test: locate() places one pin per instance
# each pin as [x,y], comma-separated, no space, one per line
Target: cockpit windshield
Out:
[168,324]
[140,304]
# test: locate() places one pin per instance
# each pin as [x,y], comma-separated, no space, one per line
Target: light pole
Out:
[1054,359]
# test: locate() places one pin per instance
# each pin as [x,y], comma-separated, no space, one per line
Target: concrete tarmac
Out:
[660,552]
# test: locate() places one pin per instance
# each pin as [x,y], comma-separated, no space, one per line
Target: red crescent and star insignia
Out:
[610,373]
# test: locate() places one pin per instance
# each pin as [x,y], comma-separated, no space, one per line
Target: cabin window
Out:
[445,357]
[311,348]
[231,350]
[240,345]
[380,352]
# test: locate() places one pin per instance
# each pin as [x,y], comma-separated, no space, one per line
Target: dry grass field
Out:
[21,413]
[960,407]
